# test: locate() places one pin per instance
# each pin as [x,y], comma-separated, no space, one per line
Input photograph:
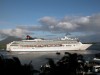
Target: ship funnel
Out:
[28,37]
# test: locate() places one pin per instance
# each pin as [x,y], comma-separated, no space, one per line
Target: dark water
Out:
[39,58]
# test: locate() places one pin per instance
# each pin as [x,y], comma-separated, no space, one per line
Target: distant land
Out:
[8,40]
[11,38]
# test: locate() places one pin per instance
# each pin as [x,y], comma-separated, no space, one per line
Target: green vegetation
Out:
[2,46]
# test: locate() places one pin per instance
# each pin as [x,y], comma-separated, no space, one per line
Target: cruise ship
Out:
[61,44]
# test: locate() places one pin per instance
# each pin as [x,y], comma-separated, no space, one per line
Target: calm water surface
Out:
[39,58]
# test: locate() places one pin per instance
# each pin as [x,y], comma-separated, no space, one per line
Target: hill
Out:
[8,40]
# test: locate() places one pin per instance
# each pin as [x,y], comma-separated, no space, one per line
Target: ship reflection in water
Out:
[39,59]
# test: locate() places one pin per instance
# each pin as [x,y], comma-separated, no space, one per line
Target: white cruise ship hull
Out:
[78,47]
[47,45]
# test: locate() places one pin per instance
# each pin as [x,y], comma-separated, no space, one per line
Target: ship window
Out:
[68,45]
[14,45]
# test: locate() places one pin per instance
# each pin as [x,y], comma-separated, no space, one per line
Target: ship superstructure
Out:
[47,45]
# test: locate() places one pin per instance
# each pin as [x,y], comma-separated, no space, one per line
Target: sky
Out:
[50,18]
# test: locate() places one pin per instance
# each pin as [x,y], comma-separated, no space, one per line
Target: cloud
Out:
[88,25]
[72,24]
[13,32]
[48,23]
[67,24]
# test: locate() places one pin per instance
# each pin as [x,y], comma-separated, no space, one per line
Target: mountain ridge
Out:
[9,39]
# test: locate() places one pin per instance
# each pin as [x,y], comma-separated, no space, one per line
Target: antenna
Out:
[67,34]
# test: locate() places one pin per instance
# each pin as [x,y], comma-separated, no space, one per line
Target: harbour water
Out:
[39,58]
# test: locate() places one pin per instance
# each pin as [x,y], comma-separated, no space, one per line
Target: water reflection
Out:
[39,58]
